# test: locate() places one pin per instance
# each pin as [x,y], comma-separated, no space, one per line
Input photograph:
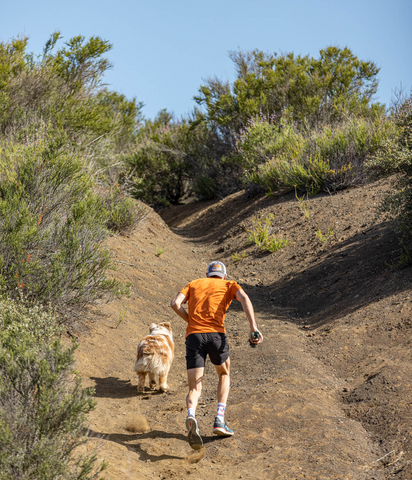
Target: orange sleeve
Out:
[234,289]
[185,292]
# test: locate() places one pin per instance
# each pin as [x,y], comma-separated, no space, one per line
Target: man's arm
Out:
[176,304]
[247,306]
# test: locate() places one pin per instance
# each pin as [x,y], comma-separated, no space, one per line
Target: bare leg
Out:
[219,427]
[224,381]
[194,379]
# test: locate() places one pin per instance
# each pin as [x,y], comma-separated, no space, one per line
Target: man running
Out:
[209,298]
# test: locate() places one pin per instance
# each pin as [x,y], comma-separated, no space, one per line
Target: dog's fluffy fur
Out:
[154,356]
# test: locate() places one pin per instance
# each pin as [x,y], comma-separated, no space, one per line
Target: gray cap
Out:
[216,268]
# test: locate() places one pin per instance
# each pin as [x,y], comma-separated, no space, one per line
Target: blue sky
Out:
[163,49]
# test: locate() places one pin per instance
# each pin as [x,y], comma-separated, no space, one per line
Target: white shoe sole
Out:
[222,432]
[193,436]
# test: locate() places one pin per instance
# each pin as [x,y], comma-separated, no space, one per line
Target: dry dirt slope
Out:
[326,396]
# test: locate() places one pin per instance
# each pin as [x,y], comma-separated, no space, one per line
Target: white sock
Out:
[221,407]
[191,412]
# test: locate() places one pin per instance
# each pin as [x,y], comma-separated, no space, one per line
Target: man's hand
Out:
[255,338]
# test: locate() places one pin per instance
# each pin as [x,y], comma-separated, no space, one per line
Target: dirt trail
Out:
[327,394]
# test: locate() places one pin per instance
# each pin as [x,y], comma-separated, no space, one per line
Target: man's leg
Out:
[219,427]
[194,379]
[224,381]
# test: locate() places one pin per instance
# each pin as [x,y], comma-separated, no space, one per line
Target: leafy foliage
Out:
[62,137]
[172,159]
[287,121]
[52,226]
[280,156]
[64,89]
[123,212]
[261,235]
[160,173]
[395,158]
[43,407]
[315,90]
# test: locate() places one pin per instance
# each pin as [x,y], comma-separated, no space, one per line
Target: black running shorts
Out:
[199,345]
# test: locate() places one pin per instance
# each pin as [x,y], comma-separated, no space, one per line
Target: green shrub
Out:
[264,138]
[261,235]
[173,159]
[43,406]
[346,148]
[52,227]
[277,156]
[280,173]
[394,157]
[64,89]
[316,90]
[160,173]
[123,211]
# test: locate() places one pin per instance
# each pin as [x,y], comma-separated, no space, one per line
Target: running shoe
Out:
[220,428]
[193,437]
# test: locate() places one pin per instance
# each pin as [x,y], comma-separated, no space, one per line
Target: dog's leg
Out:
[152,378]
[163,382]
[142,379]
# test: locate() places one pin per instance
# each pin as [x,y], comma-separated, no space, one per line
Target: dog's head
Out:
[163,328]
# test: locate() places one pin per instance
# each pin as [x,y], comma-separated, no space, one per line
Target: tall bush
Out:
[43,406]
[276,155]
[173,158]
[52,227]
[64,88]
[394,158]
[317,90]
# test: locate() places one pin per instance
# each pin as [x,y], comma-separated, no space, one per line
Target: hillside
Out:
[326,395]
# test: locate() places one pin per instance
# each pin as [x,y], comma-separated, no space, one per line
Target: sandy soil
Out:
[326,396]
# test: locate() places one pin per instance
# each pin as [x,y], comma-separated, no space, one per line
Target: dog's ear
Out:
[152,326]
[166,325]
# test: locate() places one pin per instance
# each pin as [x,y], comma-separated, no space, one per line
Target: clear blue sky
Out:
[163,49]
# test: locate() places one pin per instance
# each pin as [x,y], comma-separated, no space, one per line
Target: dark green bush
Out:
[52,227]
[394,158]
[64,88]
[317,91]
[43,407]
[277,157]
[173,159]
[123,211]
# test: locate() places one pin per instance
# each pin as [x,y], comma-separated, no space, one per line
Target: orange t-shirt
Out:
[209,299]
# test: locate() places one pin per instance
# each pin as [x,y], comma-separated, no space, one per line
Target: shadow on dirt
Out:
[319,285]
[113,387]
[130,441]
[351,275]
[214,214]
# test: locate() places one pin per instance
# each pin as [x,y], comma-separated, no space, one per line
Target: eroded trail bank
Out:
[287,402]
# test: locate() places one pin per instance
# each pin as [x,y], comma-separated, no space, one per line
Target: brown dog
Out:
[154,356]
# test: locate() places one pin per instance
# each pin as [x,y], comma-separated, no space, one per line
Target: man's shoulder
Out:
[213,281]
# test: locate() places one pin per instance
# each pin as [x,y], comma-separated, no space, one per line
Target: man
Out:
[209,298]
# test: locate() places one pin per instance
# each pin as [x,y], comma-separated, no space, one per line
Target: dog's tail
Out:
[146,357]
